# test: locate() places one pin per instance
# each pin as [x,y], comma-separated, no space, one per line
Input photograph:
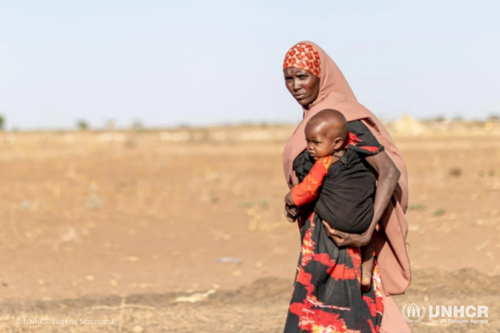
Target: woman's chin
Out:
[304,103]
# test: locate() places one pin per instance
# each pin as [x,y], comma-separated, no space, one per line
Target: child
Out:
[339,181]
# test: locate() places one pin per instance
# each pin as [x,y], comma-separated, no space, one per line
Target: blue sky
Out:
[212,62]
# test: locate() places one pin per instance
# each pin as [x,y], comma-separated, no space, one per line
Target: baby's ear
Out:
[339,143]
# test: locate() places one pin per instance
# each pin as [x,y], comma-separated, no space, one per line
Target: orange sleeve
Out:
[307,190]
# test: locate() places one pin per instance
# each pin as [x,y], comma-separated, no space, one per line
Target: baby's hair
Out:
[333,119]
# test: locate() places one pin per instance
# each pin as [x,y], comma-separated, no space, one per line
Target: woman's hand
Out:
[346,239]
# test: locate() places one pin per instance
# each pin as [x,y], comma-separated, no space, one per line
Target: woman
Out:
[326,294]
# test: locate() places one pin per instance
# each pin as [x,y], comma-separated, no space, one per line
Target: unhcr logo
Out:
[413,313]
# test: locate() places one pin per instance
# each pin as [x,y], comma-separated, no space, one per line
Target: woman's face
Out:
[303,85]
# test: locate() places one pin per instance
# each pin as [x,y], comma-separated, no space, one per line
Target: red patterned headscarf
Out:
[303,56]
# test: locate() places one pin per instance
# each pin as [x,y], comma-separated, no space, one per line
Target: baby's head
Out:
[326,133]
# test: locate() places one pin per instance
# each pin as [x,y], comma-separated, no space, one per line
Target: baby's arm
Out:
[307,190]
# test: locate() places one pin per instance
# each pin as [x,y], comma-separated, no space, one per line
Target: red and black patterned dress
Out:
[327,294]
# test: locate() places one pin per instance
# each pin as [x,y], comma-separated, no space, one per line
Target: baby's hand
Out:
[290,213]
[288,199]
[290,210]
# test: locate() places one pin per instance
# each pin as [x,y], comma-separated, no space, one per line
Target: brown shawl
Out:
[335,93]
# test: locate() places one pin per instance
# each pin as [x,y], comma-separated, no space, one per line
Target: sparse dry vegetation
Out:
[119,224]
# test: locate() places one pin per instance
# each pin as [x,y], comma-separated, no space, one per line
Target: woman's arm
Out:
[388,177]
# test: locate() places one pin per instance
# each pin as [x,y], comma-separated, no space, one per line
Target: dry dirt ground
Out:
[120,231]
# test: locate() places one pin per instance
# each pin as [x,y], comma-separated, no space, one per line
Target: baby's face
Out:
[320,143]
